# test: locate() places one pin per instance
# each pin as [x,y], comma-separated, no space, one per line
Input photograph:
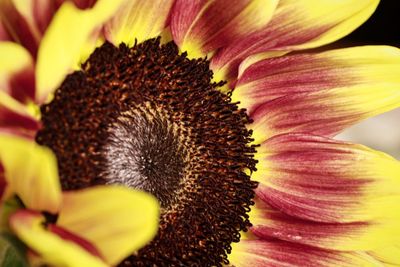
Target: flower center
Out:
[150,118]
[145,150]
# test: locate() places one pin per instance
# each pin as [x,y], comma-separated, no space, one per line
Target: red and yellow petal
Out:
[320,93]
[138,20]
[274,253]
[51,247]
[16,72]
[269,223]
[57,54]
[200,27]
[266,80]
[19,21]
[329,194]
[296,24]
[117,220]
[321,179]
[31,173]
[16,118]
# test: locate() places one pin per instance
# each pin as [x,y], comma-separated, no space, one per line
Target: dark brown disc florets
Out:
[150,118]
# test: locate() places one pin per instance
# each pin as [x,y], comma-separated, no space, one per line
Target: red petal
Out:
[4,36]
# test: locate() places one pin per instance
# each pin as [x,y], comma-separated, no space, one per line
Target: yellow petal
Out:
[13,58]
[31,173]
[52,249]
[117,220]
[138,20]
[388,255]
[6,101]
[65,40]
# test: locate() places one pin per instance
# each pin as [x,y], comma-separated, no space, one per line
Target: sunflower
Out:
[207,106]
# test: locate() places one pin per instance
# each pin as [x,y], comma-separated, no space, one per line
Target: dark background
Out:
[382,28]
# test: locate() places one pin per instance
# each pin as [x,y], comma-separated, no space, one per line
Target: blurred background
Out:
[381,132]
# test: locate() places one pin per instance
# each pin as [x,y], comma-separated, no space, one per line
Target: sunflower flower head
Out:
[106,106]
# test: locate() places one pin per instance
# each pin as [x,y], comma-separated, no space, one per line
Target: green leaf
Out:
[12,251]
[8,207]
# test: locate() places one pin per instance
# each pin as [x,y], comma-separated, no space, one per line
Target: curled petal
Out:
[296,24]
[138,20]
[57,54]
[200,27]
[117,220]
[31,173]
[283,254]
[52,248]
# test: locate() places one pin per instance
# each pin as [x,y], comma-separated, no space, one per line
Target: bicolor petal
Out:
[52,247]
[18,18]
[266,80]
[269,223]
[321,179]
[326,193]
[117,220]
[138,20]
[320,93]
[200,27]
[16,72]
[296,24]
[57,54]
[283,254]
[31,173]
[16,118]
